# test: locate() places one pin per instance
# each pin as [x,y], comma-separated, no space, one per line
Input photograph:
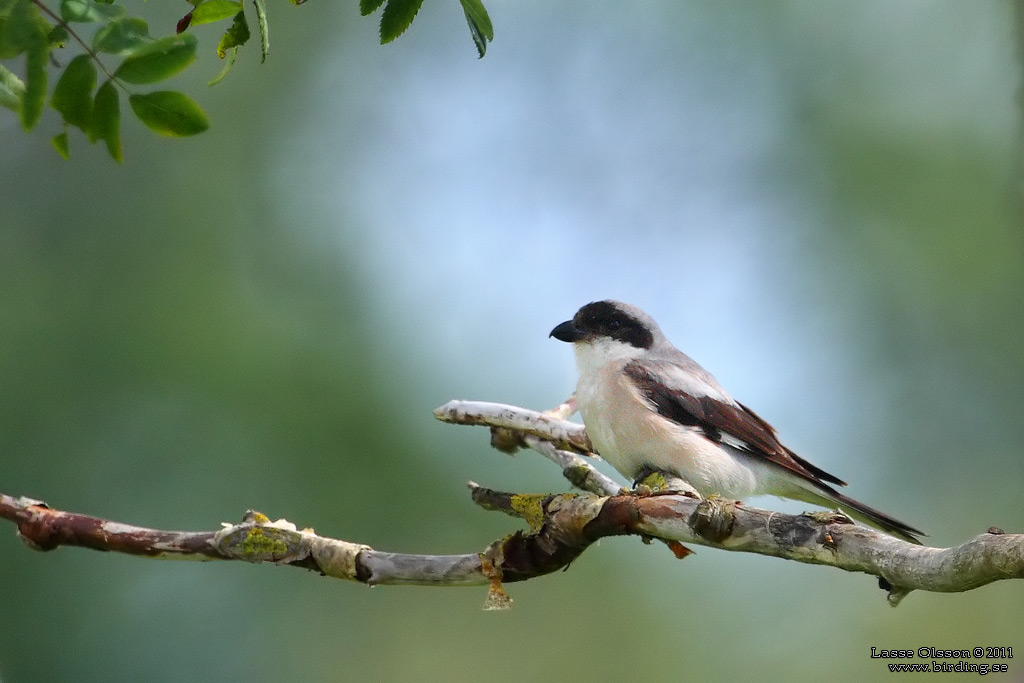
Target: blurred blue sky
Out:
[670,155]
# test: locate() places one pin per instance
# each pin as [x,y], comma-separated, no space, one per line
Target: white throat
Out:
[591,357]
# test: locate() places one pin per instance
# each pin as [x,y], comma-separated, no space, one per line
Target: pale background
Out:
[817,201]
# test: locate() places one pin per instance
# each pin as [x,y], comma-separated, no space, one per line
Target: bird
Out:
[648,406]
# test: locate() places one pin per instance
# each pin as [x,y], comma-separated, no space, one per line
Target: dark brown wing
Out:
[732,423]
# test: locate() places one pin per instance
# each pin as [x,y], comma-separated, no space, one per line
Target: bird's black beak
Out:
[566,332]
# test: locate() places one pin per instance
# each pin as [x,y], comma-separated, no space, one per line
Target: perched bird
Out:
[648,406]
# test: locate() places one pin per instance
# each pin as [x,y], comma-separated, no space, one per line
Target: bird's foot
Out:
[836,516]
[653,482]
[563,411]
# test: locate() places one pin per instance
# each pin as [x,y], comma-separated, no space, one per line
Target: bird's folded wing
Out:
[681,396]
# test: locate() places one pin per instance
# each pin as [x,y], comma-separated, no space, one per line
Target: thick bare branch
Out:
[816,538]
[561,527]
[256,539]
[832,539]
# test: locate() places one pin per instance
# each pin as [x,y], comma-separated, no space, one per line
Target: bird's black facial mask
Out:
[605,319]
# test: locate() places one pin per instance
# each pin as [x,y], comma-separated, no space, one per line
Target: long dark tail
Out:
[827,496]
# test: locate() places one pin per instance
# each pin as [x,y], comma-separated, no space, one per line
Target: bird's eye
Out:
[614,324]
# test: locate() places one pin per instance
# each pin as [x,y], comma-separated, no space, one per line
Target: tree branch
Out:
[827,538]
[255,539]
[561,527]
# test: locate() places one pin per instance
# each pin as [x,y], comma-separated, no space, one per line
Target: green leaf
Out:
[158,60]
[11,89]
[34,98]
[85,11]
[169,113]
[21,29]
[369,6]
[57,36]
[214,10]
[397,16]
[7,51]
[479,24]
[121,36]
[237,34]
[60,143]
[261,20]
[106,120]
[72,96]
[232,57]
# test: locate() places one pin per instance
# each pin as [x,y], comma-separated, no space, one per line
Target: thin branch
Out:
[575,468]
[570,436]
[85,46]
